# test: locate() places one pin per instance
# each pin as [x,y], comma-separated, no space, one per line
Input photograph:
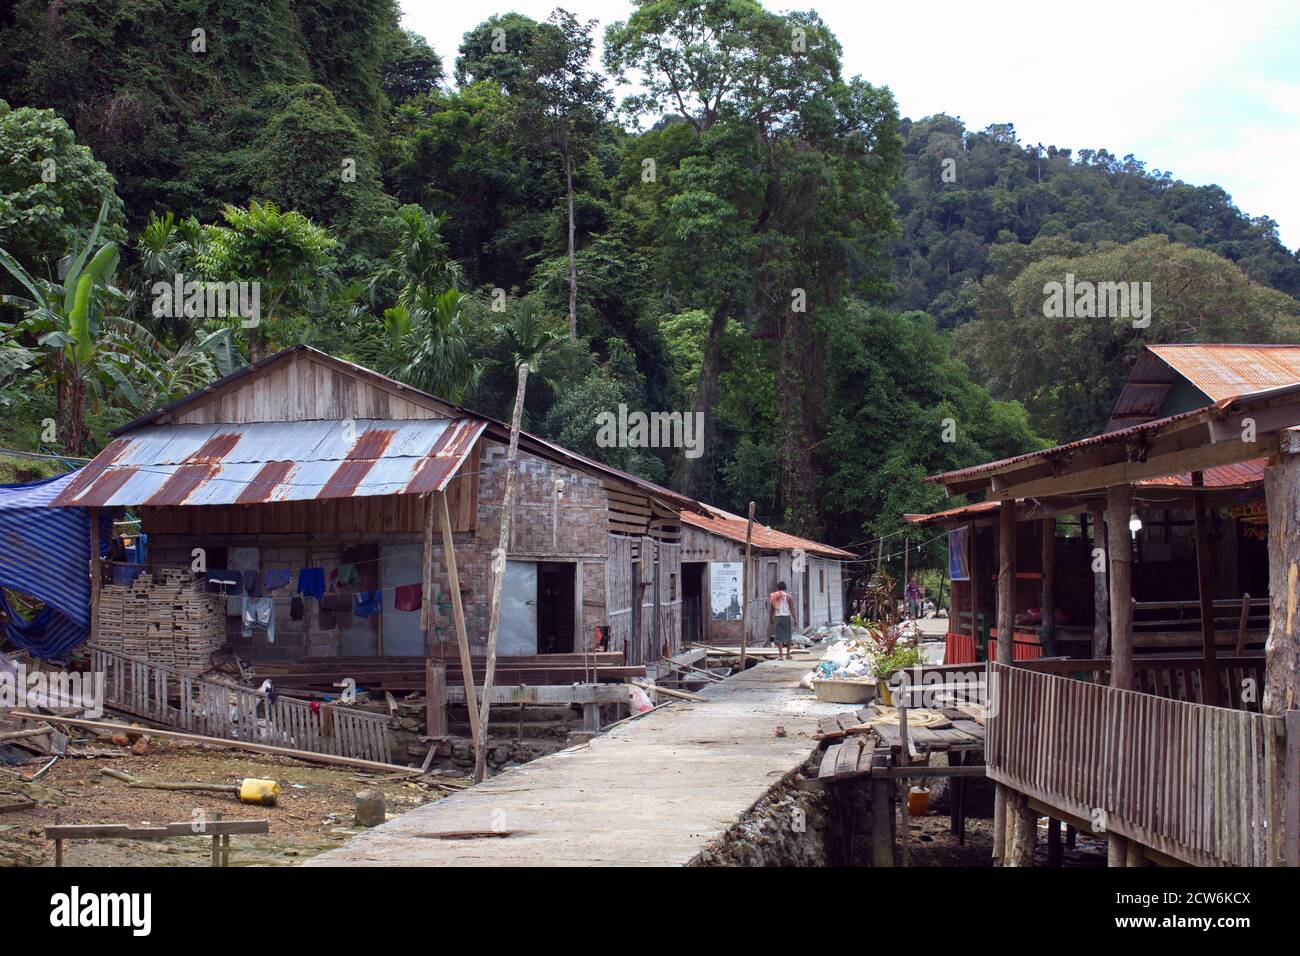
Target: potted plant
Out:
[893,656]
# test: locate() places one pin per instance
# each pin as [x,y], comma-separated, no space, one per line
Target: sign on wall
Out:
[958,562]
[726,590]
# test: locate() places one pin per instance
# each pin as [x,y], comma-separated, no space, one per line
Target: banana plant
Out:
[92,353]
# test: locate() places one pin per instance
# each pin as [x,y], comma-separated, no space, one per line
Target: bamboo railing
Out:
[199,705]
[1204,785]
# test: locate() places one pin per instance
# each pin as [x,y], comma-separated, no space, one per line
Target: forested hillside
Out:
[752,235]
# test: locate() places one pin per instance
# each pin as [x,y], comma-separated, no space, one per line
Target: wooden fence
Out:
[1204,785]
[202,706]
[1177,677]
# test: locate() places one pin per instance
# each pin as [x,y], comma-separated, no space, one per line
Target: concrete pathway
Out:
[652,791]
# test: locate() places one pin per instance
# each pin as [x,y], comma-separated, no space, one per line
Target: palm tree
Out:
[430,346]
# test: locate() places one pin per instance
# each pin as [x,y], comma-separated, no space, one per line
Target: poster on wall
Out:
[958,566]
[726,589]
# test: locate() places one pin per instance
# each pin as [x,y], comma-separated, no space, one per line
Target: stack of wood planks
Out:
[164,617]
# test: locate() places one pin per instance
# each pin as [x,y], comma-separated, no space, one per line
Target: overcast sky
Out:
[1207,91]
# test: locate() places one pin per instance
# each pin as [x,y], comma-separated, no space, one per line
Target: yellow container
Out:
[918,801]
[265,792]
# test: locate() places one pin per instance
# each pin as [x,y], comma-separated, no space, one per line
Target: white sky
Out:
[1210,92]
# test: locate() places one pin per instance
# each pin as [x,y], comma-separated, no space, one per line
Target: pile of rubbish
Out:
[854,649]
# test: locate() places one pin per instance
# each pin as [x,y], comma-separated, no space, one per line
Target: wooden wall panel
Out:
[302,388]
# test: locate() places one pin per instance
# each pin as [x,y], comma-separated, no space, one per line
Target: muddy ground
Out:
[314,814]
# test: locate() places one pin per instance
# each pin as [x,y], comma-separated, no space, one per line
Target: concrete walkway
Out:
[650,792]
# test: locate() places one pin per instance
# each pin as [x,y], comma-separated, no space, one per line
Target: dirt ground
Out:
[932,843]
[315,810]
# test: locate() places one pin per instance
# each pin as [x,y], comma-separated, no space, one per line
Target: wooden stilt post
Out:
[1205,590]
[1024,824]
[1119,557]
[435,698]
[1100,602]
[1116,849]
[1048,582]
[999,822]
[498,581]
[746,588]
[882,822]
[1054,850]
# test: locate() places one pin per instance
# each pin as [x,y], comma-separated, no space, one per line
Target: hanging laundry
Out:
[408,597]
[253,583]
[259,611]
[366,603]
[276,578]
[337,602]
[295,609]
[348,574]
[222,581]
[311,582]
[141,548]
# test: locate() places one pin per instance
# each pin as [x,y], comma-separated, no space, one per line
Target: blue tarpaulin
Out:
[45,554]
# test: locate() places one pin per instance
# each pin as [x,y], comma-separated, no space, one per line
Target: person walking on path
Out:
[913,595]
[780,607]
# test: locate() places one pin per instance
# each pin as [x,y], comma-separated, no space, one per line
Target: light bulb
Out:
[1134,523]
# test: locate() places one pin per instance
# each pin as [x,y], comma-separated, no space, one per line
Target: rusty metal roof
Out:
[1222,371]
[724,523]
[261,462]
[1221,476]
[961,511]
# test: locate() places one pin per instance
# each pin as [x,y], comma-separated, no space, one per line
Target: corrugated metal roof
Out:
[961,511]
[262,462]
[731,526]
[1222,371]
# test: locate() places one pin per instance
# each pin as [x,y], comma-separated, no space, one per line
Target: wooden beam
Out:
[499,579]
[1205,591]
[1282,650]
[1048,583]
[1119,554]
[1006,580]
[1100,602]
[745,586]
[458,616]
[1179,462]
[307,755]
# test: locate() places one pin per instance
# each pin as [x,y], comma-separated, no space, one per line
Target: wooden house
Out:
[303,461]
[713,575]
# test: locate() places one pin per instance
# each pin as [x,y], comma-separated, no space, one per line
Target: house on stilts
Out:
[1148,577]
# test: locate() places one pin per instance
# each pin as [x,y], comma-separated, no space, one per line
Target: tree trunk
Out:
[494,617]
[573,262]
[695,476]
[797,493]
[1282,650]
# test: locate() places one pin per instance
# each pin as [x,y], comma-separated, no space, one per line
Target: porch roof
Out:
[1230,432]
